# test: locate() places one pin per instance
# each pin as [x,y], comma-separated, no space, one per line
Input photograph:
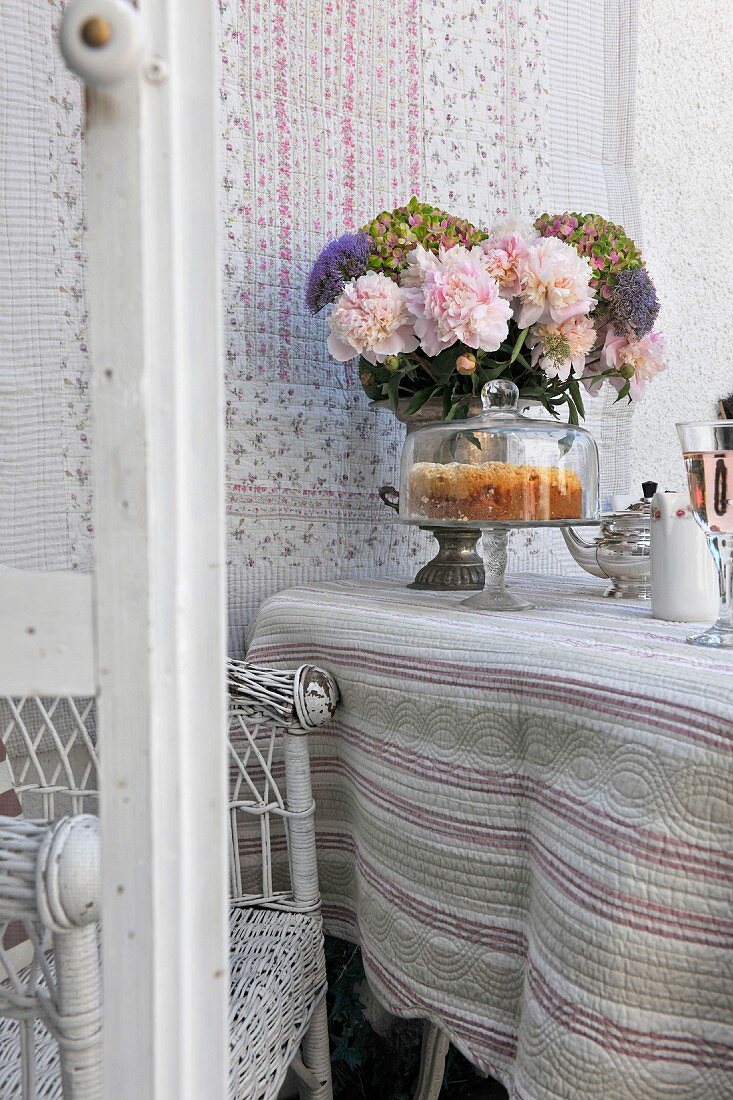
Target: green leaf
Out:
[443,365]
[494,371]
[577,398]
[625,391]
[393,392]
[518,345]
[418,399]
[565,443]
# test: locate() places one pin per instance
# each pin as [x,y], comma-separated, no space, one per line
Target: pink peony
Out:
[637,361]
[504,249]
[560,349]
[370,319]
[421,262]
[458,300]
[466,364]
[514,226]
[503,260]
[555,283]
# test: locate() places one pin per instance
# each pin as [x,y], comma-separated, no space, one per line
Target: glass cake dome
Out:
[501,468]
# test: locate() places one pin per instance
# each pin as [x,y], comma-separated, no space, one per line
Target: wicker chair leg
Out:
[317,1056]
[28,1059]
[432,1063]
[79,1024]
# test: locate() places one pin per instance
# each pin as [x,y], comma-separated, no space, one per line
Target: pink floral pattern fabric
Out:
[331,113]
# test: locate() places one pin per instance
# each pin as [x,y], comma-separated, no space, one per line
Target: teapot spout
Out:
[583,552]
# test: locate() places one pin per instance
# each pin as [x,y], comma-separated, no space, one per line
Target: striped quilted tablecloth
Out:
[526,821]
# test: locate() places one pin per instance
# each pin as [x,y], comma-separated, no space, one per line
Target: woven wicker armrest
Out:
[50,872]
[306,697]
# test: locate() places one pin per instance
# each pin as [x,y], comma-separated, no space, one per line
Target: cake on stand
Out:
[495,472]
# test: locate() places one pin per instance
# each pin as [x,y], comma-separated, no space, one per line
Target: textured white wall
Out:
[685,159]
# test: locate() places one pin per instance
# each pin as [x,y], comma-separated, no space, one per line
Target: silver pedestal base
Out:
[457,567]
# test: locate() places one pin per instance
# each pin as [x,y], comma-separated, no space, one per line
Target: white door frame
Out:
[155,342]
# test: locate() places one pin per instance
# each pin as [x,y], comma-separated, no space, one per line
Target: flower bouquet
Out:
[436,307]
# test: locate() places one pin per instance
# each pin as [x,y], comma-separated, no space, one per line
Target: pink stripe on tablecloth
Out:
[619,908]
[662,1046]
[601,824]
[507,940]
[633,1042]
[495,1038]
[599,697]
[646,845]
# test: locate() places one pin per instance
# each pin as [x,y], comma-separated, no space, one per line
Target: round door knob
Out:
[101,40]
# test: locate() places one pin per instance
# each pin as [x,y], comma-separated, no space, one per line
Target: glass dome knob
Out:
[501,395]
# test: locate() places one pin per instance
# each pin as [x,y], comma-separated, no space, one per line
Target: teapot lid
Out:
[636,515]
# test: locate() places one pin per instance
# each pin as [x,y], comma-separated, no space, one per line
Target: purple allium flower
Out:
[343,259]
[634,304]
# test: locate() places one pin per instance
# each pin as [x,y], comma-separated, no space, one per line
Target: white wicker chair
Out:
[278,979]
[52,999]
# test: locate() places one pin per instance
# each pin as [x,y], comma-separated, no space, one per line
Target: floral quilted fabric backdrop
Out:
[331,110]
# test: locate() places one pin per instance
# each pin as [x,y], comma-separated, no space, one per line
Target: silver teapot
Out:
[621,551]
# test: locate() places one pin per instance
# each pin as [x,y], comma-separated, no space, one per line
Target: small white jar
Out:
[684,577]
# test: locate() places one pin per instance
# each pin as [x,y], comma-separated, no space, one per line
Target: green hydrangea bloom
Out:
[396,232]
[606,246]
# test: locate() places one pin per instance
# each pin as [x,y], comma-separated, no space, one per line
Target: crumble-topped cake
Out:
[494,491]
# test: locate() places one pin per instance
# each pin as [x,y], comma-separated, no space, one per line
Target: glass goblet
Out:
[708,452]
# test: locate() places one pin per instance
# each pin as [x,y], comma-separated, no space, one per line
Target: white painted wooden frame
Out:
[46,635]
[155,311]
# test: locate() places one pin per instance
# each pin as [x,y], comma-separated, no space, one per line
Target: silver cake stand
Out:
[459,567]
[495,596]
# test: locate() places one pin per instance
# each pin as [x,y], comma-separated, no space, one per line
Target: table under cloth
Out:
[526,822]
